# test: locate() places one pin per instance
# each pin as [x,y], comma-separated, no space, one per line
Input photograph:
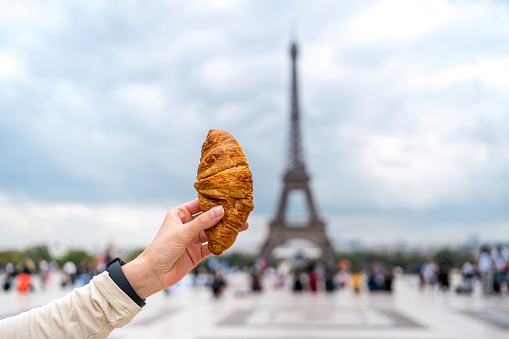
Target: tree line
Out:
[407,260]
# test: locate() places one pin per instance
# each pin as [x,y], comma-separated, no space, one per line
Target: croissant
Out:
[224,178]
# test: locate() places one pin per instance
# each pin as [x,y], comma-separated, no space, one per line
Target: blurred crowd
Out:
[489,271]
[298,275]
[490,268]
[21,277]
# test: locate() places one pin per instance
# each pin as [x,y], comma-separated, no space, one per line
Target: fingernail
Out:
[216,211]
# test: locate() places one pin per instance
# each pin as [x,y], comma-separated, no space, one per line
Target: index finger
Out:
[192,206]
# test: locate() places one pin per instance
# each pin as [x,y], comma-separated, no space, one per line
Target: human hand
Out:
[176,249]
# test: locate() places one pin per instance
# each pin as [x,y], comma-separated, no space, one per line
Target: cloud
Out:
[11,67]
[492,73]
[93,227]
[62,225]
[403,103]
[31,14]
[399,21]
[411,231]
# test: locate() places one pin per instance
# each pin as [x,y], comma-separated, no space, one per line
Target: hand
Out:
[177,248]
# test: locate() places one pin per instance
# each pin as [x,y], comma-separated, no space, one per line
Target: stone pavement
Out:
[407,313]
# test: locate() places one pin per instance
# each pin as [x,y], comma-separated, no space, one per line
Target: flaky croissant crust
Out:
[224,178]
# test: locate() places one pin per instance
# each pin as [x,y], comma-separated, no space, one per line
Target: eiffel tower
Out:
[296,179]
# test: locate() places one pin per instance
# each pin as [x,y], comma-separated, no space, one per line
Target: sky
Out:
[404,113]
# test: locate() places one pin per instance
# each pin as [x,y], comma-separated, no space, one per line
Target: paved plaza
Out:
[407,313]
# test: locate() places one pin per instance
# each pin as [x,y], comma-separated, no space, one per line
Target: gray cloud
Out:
[404,103]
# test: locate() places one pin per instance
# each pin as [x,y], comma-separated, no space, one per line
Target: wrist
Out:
[141,277]
[114,268]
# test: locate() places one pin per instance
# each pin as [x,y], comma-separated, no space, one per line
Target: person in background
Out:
[330,285]
[356,281]
[429,272]
[467,272]
[484,268]
[388,278]
[71,273]
[113,298]
[239,281]
[24,280]
[298,286]
[44,273]
[443,275]
[312,277]
[500,260]
[376,275]
[256,280]
[8,276]
[218,284]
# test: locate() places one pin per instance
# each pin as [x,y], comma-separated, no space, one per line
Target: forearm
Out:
[93,310]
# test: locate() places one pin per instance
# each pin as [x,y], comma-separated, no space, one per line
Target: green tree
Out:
[38,253]
[14,257]
[454,257]
[76,256]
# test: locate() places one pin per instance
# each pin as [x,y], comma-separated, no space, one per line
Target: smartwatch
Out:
[114,268]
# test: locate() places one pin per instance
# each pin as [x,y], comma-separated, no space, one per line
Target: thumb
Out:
[205,220]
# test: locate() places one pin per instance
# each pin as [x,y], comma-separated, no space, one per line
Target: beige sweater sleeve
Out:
[92,311]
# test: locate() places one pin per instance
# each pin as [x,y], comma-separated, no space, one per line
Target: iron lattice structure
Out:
[296,179]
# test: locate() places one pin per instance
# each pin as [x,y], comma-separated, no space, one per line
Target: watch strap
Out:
[114,268]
